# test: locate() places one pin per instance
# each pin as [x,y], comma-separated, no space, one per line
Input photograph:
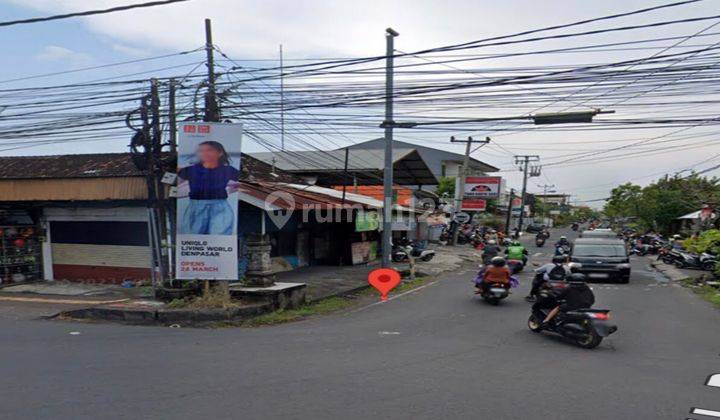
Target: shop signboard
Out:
[207,200]
[366,221]
[474,204]
[482,186]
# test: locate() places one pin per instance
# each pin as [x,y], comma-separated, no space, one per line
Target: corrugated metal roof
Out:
[110,165]
[332,160]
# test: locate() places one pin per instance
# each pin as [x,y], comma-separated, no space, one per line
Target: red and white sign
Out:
[474,204]
[482,186]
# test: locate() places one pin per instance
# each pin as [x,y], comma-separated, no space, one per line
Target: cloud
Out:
[131,51]
[57,53]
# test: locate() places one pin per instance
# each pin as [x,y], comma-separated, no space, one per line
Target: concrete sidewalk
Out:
[673,273]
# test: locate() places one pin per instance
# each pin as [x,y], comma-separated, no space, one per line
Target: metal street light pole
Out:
[390,35]
[545,188]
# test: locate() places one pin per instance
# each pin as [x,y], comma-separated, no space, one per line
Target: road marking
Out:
[704,412]
[713,380]
[66,301]
[74,332]
[394,297]
[389,333]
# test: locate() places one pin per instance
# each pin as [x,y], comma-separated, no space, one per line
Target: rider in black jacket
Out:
[577,295]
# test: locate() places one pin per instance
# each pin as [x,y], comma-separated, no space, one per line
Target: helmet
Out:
[563,237]
[677,236]
[515,243]
[577,278]
[558,259]
[498,262]
[491,242]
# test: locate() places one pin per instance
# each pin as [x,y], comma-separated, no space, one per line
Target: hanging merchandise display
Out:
[20,254]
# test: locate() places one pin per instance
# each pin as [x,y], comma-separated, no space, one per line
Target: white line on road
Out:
[394,297]
[704,412]
[713,380]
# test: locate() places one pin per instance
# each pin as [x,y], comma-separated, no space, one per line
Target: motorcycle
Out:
[400,253]
[575,227]
[494,293]
[703,261]
[540,242]
[586,327]
[562,250]
[516,266]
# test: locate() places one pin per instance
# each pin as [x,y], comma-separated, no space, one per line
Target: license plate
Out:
[498,291]
[598,275]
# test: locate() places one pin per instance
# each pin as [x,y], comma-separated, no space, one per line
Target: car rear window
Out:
[598,250]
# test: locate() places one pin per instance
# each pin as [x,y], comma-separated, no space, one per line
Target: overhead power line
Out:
[90,12]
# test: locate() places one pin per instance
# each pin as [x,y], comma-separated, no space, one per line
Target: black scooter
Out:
[540,242]
[586,327]
[494,293]
[703,261]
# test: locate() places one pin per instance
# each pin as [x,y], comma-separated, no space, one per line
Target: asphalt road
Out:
[439,352]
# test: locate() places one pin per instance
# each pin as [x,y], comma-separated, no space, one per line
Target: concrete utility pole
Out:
[524,161]
[282,101]
[546,189]
[388,124]
[463,173]
[508,218]
[212,112]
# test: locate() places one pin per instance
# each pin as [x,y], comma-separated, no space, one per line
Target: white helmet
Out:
[491,242]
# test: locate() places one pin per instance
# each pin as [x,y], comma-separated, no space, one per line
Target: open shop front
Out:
[21,240]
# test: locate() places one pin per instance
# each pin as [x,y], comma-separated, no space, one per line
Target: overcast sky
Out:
[253,29]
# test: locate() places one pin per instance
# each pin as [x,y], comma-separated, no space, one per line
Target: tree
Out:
[446,185]
[657,205]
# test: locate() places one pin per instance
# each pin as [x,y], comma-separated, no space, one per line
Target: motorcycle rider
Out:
[516,252]
[495,273]
[563,243]
[491,251]
[577,295]
[554,271]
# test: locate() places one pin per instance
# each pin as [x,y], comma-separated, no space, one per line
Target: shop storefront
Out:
[20,248]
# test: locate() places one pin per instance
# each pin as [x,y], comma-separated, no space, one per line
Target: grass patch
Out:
[707,292]
[321,307]
[216,298]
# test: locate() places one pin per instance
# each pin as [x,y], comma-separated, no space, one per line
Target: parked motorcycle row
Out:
[669,251]
[405,249]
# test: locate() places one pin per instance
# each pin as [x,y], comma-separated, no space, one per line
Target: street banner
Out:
[482,186]
[207,205]
[516,206]
[474,204]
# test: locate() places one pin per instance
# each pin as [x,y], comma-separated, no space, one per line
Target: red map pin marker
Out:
[384,280]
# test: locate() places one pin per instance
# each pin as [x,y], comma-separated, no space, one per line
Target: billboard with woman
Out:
[207,207]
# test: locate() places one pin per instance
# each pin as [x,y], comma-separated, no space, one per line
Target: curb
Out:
[183,317]
[670,272]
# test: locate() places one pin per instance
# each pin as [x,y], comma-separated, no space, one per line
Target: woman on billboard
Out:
[209,180]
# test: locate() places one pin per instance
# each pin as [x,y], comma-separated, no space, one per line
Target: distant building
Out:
[440,162]
[555,199]
[414,165]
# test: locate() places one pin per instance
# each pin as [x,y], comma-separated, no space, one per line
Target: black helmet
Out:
[498,262]
[577,278]
[558,259]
